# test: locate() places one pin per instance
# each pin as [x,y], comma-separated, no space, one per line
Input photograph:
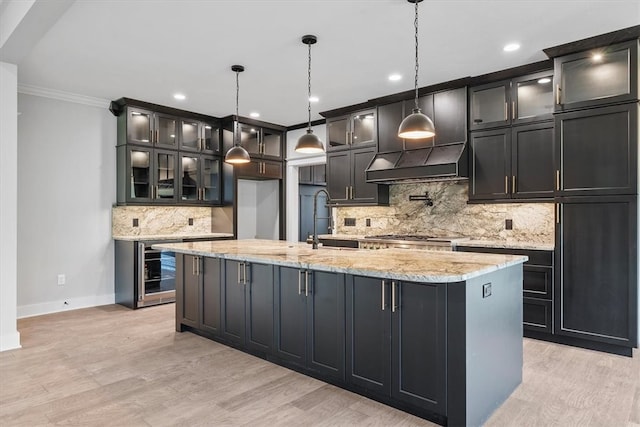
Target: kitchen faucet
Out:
[315,216]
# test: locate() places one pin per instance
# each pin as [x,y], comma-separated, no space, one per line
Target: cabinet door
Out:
[338,133]
[597,151]
[537,315]
[259,307]
[596,285]
[533,171]
[363,128]
[210,138]
[210,296]
[425,103]
[597,76]
[450,116]
[291,317]
[362,190]
[139,126]
[339,176]
[233,302]
[190,135]
[490,105]
[325,321]
[319,174]
[304,175]
[189,177]
[271,169]
[419,345]
[389,118]
[211,180]
[250,138]
[190,302]
[368,329]
[537,281]
[166,176]
[166,128]
[532,98]
[490,164]
[272,143]
[140,166]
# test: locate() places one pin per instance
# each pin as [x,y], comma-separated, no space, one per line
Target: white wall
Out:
[258,211]
[247,196]
[66,187]
[9,335]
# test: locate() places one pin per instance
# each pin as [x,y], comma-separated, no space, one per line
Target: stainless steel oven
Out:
[156,273]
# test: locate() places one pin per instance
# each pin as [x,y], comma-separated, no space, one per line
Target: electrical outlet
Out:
[62,279]
[508,224]
[368,222]
[486,290]
[190,221]
[135,222]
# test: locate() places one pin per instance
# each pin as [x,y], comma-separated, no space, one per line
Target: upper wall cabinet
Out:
[357,129]
[597,77]
[522,100]
[261,142]
[149,128]
[200,137]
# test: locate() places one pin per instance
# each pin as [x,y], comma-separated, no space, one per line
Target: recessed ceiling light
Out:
[511,47]
[314,99]
[544,80]
[395,77]
[597,57]
[254,114]
[179,97]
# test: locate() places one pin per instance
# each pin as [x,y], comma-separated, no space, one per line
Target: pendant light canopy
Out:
[309,143]
[416,125]
[236,154]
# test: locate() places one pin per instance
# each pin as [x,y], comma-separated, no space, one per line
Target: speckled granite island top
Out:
[174,236]
[399,264]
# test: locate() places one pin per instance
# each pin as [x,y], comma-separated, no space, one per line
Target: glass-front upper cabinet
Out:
[140,174]
[150,175]
[261,142]
[210,138]
[355,129]
[363,128]
[337,131]
[490,105]
[250,138]
[271,143]
[200,179]
[211,181]
[199,136]
[166,129]
[165,176]
[597,76]
[189,178]
[190,137]
[149,128]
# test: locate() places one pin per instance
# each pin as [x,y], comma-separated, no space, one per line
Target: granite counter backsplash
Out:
[450,215]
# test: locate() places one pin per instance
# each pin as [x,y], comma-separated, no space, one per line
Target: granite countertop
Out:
[506,244]
[397,264]
[174,236]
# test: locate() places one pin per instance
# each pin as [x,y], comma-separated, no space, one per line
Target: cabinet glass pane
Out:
[211,173]
[166,131]
[271,143]
[190,135]
[535,97]
[211,137]
[140,174]
[337,130]
[363,128]
[599,76]
[250,138]
[489,105]
[166,175]
[139,126]
[189,178]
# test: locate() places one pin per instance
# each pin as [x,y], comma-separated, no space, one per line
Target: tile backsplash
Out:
[450,215]
[170,219]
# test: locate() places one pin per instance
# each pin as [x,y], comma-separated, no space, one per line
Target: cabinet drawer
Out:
[537,315]
[537,281]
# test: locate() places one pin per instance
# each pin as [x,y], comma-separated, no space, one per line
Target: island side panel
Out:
[493,341]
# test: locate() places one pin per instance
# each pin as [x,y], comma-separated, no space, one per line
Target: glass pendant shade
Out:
[416,126]
[309,143]
[237,155]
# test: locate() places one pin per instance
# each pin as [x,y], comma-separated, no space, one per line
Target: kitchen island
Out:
[437,334]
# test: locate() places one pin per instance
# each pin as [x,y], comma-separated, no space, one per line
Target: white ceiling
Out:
[150,49]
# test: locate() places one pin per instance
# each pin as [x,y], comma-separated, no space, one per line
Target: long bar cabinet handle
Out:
[239,266]
[513,110]
[393,296]
[346,192]
[557,213]
[299,282]
[513,184]
[306,283]
[506,108]
[157,136]
[506,184]
[383,296]
[557,179]
[558,92]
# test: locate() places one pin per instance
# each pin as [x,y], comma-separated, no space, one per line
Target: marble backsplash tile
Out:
[450,215]
[170,219]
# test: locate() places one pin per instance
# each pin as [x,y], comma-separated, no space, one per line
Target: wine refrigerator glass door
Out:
[156,276]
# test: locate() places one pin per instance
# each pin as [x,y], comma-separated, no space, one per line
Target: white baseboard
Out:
[64,305]
[10,341]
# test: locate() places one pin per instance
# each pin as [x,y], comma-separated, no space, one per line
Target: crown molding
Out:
[63,96]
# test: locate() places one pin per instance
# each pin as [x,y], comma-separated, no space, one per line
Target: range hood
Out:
[433,163]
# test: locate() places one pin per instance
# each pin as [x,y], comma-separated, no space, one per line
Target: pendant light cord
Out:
[309,86]
[237,102]
[415,23]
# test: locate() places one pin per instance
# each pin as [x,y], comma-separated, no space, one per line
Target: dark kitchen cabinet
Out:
[396,340]
[146,175]
[200,137]
[310,320]
[144,127]
[259,169]
[346,179]
[198,293]
[596,77]
[312,175]
[513,163]
[200,179]
[597,151]
[261,142]
[354,130]
[596,275]
[389,118]
[247,305]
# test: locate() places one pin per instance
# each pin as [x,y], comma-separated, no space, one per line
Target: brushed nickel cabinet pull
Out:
[393,296]
[383,301]
[299,282]
[557,213]
[506,184]
[513,184]
[239,264]
[193,266]
[157,136]
[506,107]
[558,91]
[346,193]
[557,179]
[306,283]
[513,110]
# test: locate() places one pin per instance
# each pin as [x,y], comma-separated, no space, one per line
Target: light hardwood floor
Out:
[113,366]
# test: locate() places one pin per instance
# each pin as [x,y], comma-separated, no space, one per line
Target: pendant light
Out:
[236,154]
[416,125]
[309,143]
